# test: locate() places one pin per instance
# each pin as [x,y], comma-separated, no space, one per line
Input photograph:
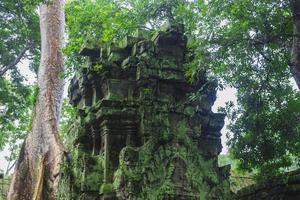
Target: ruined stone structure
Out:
[284,187]
[143,131]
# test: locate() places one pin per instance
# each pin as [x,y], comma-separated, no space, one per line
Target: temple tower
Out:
[143,131]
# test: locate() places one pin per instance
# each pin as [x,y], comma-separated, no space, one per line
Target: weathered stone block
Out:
[286,187]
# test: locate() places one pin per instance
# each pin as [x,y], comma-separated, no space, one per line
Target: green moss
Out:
[190,110]
[169,161]
[150,176]
[147,91]
[147,172]
[93,172]
[107,188]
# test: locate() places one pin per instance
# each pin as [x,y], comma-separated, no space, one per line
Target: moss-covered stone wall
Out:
[143,131]
[283,187]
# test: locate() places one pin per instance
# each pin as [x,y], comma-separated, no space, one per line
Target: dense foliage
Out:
[245,43]
[20,34]
[252,41]
[20,43]
[102,21]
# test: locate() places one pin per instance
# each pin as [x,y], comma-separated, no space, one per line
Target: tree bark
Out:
[37,169]
[295,61]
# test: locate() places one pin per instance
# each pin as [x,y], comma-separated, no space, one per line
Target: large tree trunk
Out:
[295,62]
[37,169]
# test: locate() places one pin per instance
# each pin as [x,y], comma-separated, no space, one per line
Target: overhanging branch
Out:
[15,61]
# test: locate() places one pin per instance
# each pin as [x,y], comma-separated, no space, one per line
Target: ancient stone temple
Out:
[283,187]
[143,131]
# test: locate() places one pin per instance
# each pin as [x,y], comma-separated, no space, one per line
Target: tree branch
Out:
[295,53]
[16,61]
[10,167]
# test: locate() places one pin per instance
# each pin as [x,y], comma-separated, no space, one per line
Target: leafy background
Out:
[244,43]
